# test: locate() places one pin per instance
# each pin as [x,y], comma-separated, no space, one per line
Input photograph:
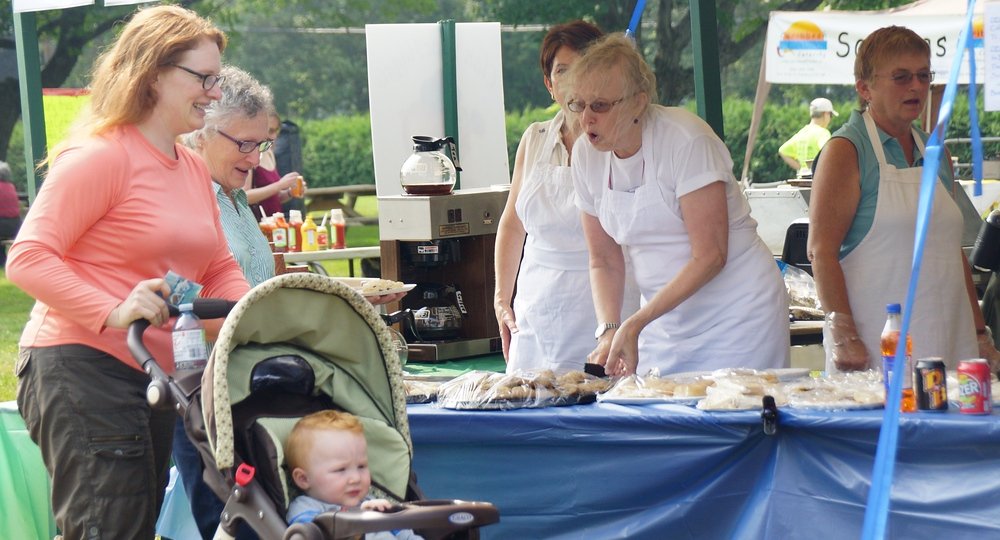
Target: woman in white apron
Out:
[656,186]
[863,210]
[552,312]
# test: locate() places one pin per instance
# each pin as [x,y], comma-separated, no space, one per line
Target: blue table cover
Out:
[659,471]
[670,471]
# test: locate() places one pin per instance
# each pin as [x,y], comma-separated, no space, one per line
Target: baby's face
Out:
[337,469]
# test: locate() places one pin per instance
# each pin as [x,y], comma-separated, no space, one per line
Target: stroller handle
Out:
[204,308]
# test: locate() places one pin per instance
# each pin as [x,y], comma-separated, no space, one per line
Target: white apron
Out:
[739,319]
[877,271]
[553,304]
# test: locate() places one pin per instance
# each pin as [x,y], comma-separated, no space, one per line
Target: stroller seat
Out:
[296,344]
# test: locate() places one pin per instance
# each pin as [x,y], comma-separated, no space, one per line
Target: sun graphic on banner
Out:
[801,37]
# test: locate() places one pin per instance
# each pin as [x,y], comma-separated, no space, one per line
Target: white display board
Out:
[819,48]
[405,99]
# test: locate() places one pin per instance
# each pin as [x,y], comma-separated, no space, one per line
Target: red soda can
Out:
[974,395]
[930,385]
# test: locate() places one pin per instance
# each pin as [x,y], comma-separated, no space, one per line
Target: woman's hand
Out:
[142,303]
[623,351]
[508,325]
[385,298]
[849,353]
[988,349]
[286,183]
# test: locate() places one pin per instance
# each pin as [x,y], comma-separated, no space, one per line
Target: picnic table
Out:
[343,197]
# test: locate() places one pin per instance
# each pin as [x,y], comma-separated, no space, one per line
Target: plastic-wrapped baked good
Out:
[488,390]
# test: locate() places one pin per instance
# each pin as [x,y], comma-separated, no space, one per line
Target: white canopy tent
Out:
[818,47]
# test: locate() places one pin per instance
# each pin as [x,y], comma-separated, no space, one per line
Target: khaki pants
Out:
[106,451]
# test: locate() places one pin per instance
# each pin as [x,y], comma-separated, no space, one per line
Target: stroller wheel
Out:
[304,531]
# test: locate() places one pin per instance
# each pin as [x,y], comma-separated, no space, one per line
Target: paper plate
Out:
[789,374]
[356,284]
[620,400]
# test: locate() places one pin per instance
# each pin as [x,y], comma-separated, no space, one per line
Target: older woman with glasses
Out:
[231,142]
[863,210]
[655,182]
[121,206]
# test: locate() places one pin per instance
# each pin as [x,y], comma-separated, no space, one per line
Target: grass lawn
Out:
[15,305]
[14,309]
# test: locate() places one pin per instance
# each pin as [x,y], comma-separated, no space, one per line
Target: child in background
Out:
[328,458]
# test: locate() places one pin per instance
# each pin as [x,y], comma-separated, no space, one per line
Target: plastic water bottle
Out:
[190,347]
[890,339]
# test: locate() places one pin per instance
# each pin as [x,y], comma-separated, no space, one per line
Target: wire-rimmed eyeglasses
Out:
[247,146]
[903,78]
[599,106]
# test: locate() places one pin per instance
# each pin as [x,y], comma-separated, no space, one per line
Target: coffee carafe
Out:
[429,171]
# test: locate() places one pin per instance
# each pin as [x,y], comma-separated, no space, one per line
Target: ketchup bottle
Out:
[338,229]
[295,231]
[280,233]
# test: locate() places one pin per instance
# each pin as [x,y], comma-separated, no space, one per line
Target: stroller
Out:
[296,344]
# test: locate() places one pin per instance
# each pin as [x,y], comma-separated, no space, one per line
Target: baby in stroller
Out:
[327,456]
[294,345]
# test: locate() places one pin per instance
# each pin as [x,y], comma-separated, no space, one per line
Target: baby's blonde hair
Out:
[300,442]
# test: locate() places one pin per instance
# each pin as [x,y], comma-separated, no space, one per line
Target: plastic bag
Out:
[490,390]
[803,302]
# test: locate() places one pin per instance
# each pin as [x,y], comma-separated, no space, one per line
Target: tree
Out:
[63,36]
[68,35]
[665,35]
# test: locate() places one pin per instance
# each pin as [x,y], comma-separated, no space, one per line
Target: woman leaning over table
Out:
[863,210]
[540,241]
[122,204]
[657,183]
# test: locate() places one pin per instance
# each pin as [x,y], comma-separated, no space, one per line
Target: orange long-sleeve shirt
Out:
[114,211]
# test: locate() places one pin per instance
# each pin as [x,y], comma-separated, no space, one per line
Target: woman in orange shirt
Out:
[121,206]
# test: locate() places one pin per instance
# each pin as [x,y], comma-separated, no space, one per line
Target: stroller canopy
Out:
[346,344]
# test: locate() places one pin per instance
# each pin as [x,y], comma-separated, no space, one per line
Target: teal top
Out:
[246,242]
[854,131]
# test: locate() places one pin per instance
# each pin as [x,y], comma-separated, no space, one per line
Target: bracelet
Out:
[851,339]
[982,331]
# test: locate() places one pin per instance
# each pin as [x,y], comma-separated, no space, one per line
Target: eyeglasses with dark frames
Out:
[247,146]
[598,106]
[904,78]
[208,81]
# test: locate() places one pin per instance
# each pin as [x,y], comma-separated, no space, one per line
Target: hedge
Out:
[337,150]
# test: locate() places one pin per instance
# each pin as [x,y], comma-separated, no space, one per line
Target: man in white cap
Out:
[799,151]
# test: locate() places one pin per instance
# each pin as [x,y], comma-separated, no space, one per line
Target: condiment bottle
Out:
[323,234]
[309,242]
[280,233]
[890,339]
[294,230]
[267,229]
[338,229]
[298,189]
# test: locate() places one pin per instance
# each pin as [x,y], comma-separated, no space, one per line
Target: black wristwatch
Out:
[602,328]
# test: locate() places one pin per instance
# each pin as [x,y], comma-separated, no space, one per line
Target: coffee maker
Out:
[444,244]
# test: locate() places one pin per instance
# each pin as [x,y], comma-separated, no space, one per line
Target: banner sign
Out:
[815,47]
[23,6]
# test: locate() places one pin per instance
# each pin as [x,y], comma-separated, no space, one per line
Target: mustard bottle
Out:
[309,238]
